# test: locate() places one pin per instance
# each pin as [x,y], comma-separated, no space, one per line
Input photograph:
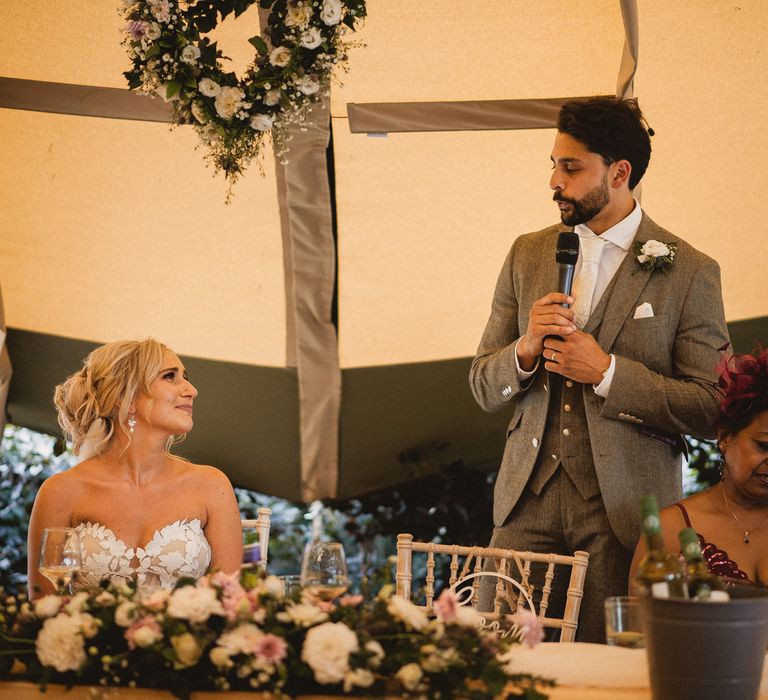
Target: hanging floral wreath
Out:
[295,55]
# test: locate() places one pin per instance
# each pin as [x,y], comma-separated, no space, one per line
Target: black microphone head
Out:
[567,248]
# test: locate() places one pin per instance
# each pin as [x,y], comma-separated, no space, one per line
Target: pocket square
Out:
[645,310]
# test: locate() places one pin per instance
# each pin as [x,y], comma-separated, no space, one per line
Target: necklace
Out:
[739,523]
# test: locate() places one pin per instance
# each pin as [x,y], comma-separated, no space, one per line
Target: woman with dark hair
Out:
[731,518]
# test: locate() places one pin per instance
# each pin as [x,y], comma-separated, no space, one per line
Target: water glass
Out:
[623,622]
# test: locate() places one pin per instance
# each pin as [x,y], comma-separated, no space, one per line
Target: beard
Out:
[586,208]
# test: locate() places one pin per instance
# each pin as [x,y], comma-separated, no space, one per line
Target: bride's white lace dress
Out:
[176,550]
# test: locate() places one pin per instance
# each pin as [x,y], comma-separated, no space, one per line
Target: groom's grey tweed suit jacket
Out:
[665,378]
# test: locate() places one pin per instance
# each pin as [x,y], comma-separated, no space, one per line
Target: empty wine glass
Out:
[324,571]
[59,556]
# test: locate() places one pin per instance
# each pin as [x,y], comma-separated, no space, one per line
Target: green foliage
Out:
[28,459]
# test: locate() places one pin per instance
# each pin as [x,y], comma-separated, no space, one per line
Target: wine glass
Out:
[324,571]
[59,556]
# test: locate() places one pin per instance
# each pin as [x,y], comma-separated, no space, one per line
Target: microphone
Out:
[566,255]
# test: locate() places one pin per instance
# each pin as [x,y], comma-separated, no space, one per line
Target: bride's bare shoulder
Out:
[206,475]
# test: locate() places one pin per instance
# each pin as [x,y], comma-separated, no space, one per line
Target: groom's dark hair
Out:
[613,128]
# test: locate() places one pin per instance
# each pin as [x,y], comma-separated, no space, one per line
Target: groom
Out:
[600,392]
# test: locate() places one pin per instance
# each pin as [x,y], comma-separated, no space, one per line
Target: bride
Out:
[141,512]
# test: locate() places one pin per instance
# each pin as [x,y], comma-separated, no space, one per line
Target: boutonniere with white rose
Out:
[655,256]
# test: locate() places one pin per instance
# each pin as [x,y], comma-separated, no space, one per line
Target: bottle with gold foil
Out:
[659,574]
[701,584]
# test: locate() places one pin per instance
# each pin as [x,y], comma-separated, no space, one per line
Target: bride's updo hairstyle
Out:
[93,402]
[744,389]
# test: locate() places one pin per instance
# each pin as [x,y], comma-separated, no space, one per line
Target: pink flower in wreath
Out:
[270,648]
[136,29]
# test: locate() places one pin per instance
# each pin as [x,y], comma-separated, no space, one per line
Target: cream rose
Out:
[280,56]
[262,122]
[220,658]
[298,14]
[187,649]
[208,87]
[189,54]
[228,102]
[124,613]
[330,13]
[272,97]
[326,651]
[407,612]
[311,39]
[409,675]
[194,603]
[307,85]
[153,31]
[60,643]
[302,615]
[47,606]
[655,249]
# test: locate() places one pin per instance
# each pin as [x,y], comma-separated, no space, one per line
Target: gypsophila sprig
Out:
[241,632]
[295,55]
[655,256]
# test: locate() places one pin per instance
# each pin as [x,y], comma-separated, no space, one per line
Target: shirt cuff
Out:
[522,375]
[604,386]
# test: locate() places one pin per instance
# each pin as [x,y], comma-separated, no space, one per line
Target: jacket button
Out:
[566,432]
[569,383]
[622,416]
[567,408]
[535,442]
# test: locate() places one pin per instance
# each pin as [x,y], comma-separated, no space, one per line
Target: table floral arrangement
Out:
[241,632]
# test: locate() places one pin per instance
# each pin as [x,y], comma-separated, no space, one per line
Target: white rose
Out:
[311,39]
[90,625]
[272,584]
[153,31]
[160,9]
[124,613]
[298,14]
[361,677]
[302,615]
[228,101]
[190,53]
[220,658]
[47,606]
[307,85]
[187,649]
[76,603]
[156,600]
[331,12]
[280,56]
[409,675]
[407,612]
[272,97]
[105,599]
[378,653]
[199,114]
[60,643]
[145,636]
[194,603]
[326,651]
[262,122]
[208,87]
[655,249]
[241,640]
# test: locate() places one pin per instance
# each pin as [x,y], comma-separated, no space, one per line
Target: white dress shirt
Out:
[617,241]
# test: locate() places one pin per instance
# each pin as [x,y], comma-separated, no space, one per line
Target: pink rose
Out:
[144,632]
[446,606]
[531,629]
[136,29]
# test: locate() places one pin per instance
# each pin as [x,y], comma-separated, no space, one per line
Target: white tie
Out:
[591,249]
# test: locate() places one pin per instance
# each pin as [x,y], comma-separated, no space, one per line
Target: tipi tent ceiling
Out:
[115,228]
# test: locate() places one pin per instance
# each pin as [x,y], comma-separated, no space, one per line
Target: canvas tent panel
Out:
[508,49]
[115,229]
[425,223]
[706,98]
[78,41]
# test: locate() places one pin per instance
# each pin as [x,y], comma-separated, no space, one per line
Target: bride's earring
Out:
[131,424]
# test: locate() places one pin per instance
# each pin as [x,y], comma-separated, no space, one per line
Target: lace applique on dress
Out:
[176,550]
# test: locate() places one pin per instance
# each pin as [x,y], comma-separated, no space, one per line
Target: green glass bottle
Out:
[701,584]
[660,574]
